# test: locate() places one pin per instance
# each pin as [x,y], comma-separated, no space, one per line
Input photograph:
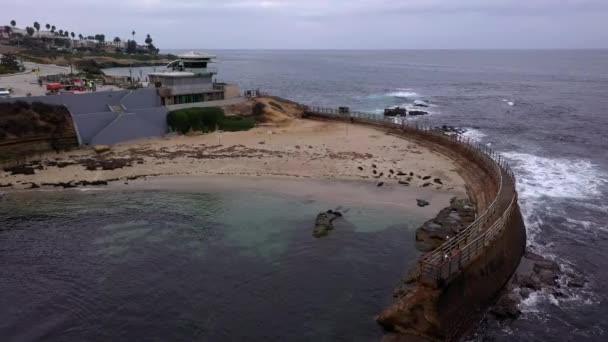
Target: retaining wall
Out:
[462,276]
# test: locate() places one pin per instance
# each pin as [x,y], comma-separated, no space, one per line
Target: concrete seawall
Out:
[452,284]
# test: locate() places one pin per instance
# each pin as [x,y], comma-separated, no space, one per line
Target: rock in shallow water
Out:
[421,203]
[324,223]
[506,308]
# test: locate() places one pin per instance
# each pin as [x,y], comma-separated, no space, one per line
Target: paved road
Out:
[27,83]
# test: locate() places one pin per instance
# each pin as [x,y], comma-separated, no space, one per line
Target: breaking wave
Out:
[404,93]
[474,134]
[560,178]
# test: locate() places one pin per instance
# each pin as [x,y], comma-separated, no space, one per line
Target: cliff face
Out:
[30,128]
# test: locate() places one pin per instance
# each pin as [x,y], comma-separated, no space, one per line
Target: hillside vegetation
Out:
[206,120]
[27,128]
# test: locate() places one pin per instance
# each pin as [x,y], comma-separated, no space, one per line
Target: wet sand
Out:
[356,193]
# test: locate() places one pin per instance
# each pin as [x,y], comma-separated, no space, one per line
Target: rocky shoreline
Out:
[535,274]
[448,222]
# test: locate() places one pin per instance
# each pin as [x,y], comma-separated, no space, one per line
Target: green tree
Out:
[30,31]
[133,34]
[53,28]
[48,26]
[14,23]
[37,27]
[116,40]
[148,39]
[131,46]
[73,35]
[9,62]
[61,32]
[80,36]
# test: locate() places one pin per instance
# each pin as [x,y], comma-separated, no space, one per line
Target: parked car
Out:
[4,92]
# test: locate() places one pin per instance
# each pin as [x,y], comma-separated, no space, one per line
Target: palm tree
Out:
[14,23]
[48,26]
[116,40]
[133,34]
[53,29]
[37,27]
[80,36]
[73,35]
[61,32]
[30,31]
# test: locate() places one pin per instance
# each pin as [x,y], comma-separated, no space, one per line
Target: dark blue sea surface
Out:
[546,111]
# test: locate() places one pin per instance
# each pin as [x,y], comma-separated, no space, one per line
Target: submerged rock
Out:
[417,112]
[324,223]
[506,308]
[422,203]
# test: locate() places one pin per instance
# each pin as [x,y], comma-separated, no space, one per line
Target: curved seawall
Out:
[453,283]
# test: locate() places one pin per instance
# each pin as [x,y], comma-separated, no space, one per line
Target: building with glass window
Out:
[191,79]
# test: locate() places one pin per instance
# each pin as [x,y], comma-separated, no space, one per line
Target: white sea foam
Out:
[560,178]
[539,177]
[474,134]
[403,92]
[511,103]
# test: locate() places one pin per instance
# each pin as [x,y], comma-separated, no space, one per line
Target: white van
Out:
[4,92]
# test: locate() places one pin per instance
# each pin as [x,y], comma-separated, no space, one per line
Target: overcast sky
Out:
[328,24]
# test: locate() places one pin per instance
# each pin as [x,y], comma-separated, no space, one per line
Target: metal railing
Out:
[440,265]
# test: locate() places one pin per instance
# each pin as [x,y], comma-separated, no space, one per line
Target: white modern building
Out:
[190,79]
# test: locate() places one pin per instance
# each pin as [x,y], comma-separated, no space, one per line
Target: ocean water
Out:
[174,266]
[546,111]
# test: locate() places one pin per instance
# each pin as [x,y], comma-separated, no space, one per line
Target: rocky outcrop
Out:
[99,149]
[449,130]
[534,273]
[433,233]
[415,308]
[422,203]
[324,223]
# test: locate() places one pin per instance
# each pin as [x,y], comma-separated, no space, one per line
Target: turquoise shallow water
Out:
[150,265]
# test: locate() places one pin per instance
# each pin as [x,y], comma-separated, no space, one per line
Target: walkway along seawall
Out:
[451,285]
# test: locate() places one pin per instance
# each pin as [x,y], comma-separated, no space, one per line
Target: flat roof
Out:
[173,74]
[196,55]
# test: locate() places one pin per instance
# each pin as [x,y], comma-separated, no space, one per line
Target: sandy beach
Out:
[296,148]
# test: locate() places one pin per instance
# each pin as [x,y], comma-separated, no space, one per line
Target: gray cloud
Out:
[330,23]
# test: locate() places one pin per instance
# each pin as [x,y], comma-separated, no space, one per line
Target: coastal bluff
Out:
[441,298]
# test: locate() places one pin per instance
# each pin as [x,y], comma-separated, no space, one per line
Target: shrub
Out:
[258,109]
[237,123]
[178,121]
[206,120]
